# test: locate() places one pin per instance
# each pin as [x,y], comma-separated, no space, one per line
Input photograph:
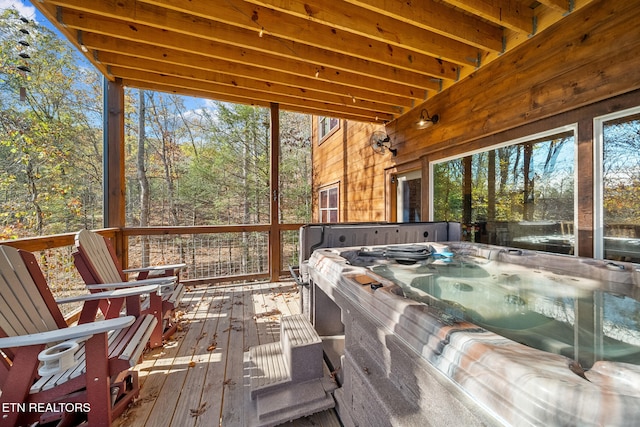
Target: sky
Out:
[27,10]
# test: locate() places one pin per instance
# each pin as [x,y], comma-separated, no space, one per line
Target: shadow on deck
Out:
[197,379]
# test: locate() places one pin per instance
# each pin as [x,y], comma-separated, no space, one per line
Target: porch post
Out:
[113,163]
[113,158]
[274,220]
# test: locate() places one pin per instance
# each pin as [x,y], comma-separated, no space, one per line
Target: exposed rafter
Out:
[369,60]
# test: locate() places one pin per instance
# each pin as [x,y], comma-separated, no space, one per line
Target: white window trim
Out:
[331,131]
[598,183]
[337,208]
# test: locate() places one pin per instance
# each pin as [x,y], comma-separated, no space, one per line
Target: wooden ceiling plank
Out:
[384,26]
[169,20]
[118,61]
[151,35]
[562,6]
[383,19]
[134,50]
[49,12]
[312,33]
[513,14]
[251,96]
[237,100]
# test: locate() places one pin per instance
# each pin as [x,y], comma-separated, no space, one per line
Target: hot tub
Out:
[466,334]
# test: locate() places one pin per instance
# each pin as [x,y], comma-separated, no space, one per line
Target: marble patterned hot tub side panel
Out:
[384,381]
[522,386]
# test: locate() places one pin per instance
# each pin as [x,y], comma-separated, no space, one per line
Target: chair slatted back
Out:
[23,307]
[97,253]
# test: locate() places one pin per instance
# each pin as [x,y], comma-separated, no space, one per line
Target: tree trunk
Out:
[143,181]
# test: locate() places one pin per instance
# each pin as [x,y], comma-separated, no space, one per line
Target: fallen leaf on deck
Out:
[199,411]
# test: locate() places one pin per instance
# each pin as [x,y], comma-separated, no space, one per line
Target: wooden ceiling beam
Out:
[513,14]
[150,35]
[101,43]
[304,31]
[456,27]
[562,6]
[236,100]
[383,20]
[250,97]
[118,61]
[49,12]
[312,56]
[205,29]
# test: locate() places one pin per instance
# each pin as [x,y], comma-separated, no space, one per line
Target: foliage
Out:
[621,171]
[206,166]
[48,176]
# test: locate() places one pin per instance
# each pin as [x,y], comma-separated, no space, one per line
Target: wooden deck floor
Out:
[197,379]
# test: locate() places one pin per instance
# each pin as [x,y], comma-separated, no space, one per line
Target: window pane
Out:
[333,198]
[621,188]
[324,199]
[329,204]
[325,125]
[520,195]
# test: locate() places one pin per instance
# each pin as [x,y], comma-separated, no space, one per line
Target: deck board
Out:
[197,379]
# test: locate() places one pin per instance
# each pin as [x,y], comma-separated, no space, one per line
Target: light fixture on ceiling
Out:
[81,42]
[426,120]
[261,33]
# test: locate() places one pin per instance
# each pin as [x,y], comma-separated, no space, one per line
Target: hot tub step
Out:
[277,403]
[268,368]
[295,401]
[301,348]
[288,379]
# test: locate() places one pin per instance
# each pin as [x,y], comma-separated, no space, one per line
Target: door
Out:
[409,196]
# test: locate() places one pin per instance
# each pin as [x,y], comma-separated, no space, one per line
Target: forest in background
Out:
[184,165]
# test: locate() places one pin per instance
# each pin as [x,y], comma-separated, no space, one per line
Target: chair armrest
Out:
[80,331]
[155,268]
[118,293]
[160,281]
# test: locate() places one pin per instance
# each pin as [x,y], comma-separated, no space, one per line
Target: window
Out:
[519,194]
[617,195]
[328,198]
[326,126]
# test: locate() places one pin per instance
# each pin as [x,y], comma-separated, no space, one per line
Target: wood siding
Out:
[345,158]
[586,67]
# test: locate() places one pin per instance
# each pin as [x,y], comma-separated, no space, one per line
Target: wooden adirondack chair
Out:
[98,265]
[97,385]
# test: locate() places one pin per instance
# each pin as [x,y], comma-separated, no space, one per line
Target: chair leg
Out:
[155,308]
[128,388]
[18,382]
[98,381]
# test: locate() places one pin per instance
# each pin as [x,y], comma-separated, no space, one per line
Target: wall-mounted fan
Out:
[379,141]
